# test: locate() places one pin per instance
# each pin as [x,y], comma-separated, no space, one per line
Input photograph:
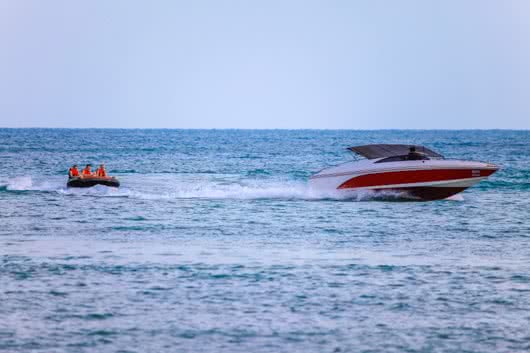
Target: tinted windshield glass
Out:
[403,158]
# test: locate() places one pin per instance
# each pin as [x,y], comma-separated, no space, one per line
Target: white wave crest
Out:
[27,183]
[19,183]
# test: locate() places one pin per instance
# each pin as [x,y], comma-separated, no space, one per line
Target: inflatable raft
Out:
[89,181]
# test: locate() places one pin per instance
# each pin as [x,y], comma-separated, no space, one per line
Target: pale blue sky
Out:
[265,64]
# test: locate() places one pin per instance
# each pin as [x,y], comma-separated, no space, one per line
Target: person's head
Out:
[102,166]
[412,149]
[74,166]
[88,166]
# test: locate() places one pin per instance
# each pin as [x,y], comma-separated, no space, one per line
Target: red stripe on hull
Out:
[413,176]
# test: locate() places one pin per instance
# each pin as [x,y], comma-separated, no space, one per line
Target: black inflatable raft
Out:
[86,182]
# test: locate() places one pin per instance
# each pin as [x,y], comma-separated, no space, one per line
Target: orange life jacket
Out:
[86,171]
[73,172]
[100,172]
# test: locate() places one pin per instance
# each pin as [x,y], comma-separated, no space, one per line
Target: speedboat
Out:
[87,181]
[414,171]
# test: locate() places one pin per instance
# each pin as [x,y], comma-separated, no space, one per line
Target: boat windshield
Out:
[405,157]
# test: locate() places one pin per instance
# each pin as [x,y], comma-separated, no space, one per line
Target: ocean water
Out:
[215,243]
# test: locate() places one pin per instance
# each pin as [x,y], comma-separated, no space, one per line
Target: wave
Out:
[26,183]
[189,188]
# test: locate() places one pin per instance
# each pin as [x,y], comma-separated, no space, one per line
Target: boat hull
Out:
[422,180]
[88,182]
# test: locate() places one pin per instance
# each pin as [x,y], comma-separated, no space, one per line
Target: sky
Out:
[274,64]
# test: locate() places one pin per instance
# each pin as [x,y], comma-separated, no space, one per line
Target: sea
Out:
[215,243]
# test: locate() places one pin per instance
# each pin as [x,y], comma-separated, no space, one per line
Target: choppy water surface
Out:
[215,243]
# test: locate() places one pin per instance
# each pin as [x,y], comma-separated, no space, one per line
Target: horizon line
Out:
[265,129]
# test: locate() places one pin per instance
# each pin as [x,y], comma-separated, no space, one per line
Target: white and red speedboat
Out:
[414,170]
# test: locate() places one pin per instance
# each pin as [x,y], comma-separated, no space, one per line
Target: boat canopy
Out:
[384,150]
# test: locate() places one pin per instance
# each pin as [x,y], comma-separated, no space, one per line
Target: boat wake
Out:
[200,188]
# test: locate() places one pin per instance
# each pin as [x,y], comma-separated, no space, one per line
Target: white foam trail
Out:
[236,191]
[153,188]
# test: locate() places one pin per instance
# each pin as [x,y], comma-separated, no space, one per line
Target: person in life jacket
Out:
[73,171]
[101,172]
[86,171]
